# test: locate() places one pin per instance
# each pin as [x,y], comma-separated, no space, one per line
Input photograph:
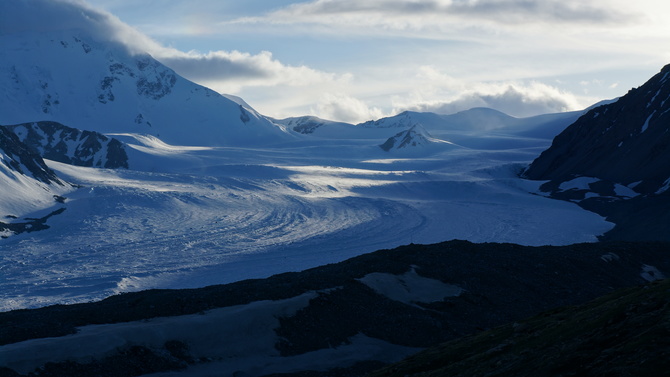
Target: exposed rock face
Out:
[626,142]
[57,142]
[20,158]
[615,160]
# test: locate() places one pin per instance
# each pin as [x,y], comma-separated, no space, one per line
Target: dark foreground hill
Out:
[343,319]
[625,333]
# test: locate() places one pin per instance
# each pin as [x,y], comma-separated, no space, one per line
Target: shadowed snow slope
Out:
[69,77]
[26,182]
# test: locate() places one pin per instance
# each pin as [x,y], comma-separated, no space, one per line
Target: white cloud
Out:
[497,71]
[53,15]
[443,15]
[345,108]
[516,99]
[231,70]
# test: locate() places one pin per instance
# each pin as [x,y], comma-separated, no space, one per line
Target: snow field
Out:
[192,217]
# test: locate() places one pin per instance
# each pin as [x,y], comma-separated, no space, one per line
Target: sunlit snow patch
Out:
[154,145]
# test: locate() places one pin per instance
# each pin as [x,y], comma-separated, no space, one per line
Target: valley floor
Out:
[190,217]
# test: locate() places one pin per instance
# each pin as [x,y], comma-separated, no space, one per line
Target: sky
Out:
[352,60]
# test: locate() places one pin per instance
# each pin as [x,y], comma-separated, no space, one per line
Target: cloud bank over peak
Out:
[345,108]
[353,61]
[226,71]
[516,99]
[58,15]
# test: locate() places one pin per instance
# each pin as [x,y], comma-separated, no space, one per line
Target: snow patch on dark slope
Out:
[623,149]
[58,142]
[350,317]
[69,77]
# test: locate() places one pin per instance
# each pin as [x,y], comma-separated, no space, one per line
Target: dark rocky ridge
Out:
[501,283]
[21,157]
[626,142]
[68,145]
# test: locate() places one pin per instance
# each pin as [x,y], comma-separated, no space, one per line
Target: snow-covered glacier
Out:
[215,192]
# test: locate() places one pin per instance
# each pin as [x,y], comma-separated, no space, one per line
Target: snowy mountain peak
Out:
[69,77]
[416,136]
[308,124]
[406,119]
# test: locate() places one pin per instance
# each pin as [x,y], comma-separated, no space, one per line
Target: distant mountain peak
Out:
[415,136]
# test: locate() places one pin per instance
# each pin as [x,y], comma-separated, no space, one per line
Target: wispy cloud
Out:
[444,15]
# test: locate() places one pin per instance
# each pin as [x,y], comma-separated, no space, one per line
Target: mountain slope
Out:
[615,161]
[57,142]
[622,334]
[626,142]
[69,77]
[18,159]
[28,187]
[308,124]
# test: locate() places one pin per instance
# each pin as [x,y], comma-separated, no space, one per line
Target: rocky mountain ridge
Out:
[626,142]
[27,184]
[615,160]
[55,141]
[20,159]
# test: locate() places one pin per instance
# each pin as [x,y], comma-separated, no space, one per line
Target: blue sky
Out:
[354,60]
